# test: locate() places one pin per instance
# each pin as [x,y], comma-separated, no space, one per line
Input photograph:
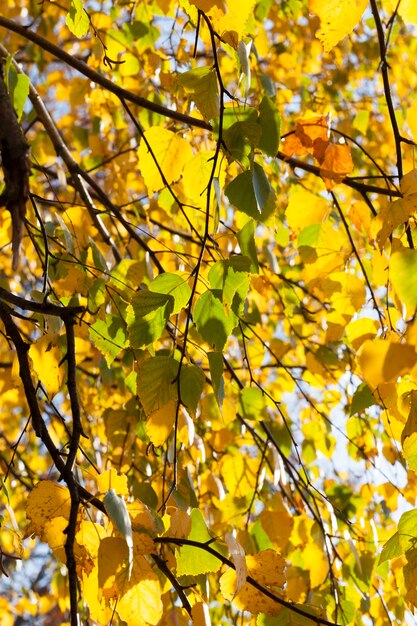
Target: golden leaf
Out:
[382,361]
[160,422]
[46,501]
[337,19]
[46,358]
[171,153]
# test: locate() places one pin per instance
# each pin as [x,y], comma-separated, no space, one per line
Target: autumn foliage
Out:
[208,292]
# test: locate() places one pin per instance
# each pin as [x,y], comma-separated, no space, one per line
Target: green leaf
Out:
[96,295]
[175,286]
[263,190]
[201,84]
[361,399]
[192,381]
[392,548]
[269,121]
[241,194]
[232,277]
[77,19]
[109,337]
[18,87]
[147,316]
[241,138]
[402,272]
[251,193]
[192,561]
[246,238]
[407,530]
[211,320]
[128,273]
[157,382]
[216,373]
[252,402]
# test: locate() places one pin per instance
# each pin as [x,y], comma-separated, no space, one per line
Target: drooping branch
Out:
[264,590]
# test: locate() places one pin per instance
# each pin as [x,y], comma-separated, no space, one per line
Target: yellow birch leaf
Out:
[393,214]
[160,423]
[267,568]
[408,11]
[360,330]
[46,500]
[316,563]
[54,535]
[110,479]
[278,526]
[305,208]
[91,593]
[141,603]
[170,151]
[382,361]
[337,19]
[89,535]
[46,357]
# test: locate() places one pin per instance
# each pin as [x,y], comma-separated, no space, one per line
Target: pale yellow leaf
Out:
[305,208]
[337,19]
[46,358]
[316,563]
[170,151]
[267,568]
[110,479]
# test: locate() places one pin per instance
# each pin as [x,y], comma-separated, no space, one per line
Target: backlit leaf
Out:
[337,19]
[382,361]
[46,501]
[191,560]
[201,84]
[171,153]
[402,269]
[147,316]
[77,19]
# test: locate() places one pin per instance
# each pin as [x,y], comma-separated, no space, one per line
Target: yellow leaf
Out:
[267,568]
[305,208]
[46,501]
[89,535]
[360,330]
[46,357]
[277,524]
[171,153]
[160,423]
[393,214]
[110,479]
[337,19]
[316,563]
[91,593]
[141,604]
[55,536]
[382,361]
[196,175]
